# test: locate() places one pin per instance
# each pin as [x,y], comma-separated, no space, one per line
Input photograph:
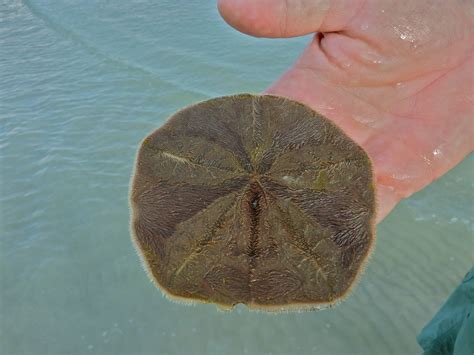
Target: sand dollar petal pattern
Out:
[253,199]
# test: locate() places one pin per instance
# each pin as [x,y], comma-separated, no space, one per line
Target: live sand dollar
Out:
[253,199]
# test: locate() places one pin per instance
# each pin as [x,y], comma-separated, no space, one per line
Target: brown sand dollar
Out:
[253,199]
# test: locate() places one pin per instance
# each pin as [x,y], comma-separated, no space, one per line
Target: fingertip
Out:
[228,11]
[246,16]
[222,7]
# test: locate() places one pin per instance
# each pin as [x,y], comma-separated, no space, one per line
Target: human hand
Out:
[397,78]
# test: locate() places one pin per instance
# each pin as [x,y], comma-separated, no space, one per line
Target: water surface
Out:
[81,83]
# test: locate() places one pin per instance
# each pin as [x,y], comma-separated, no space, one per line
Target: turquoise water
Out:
[81,83]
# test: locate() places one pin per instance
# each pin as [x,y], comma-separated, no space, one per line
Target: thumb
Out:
[288,18]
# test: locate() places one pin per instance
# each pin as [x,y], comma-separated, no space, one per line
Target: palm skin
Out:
[397,77]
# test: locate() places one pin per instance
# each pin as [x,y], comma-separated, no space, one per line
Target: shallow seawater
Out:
[81,83]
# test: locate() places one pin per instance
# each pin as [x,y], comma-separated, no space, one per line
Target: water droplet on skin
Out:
[405,33]
[368,121]
[399,85]
[364,27]
[401,176]
[325,108]
[437,153]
